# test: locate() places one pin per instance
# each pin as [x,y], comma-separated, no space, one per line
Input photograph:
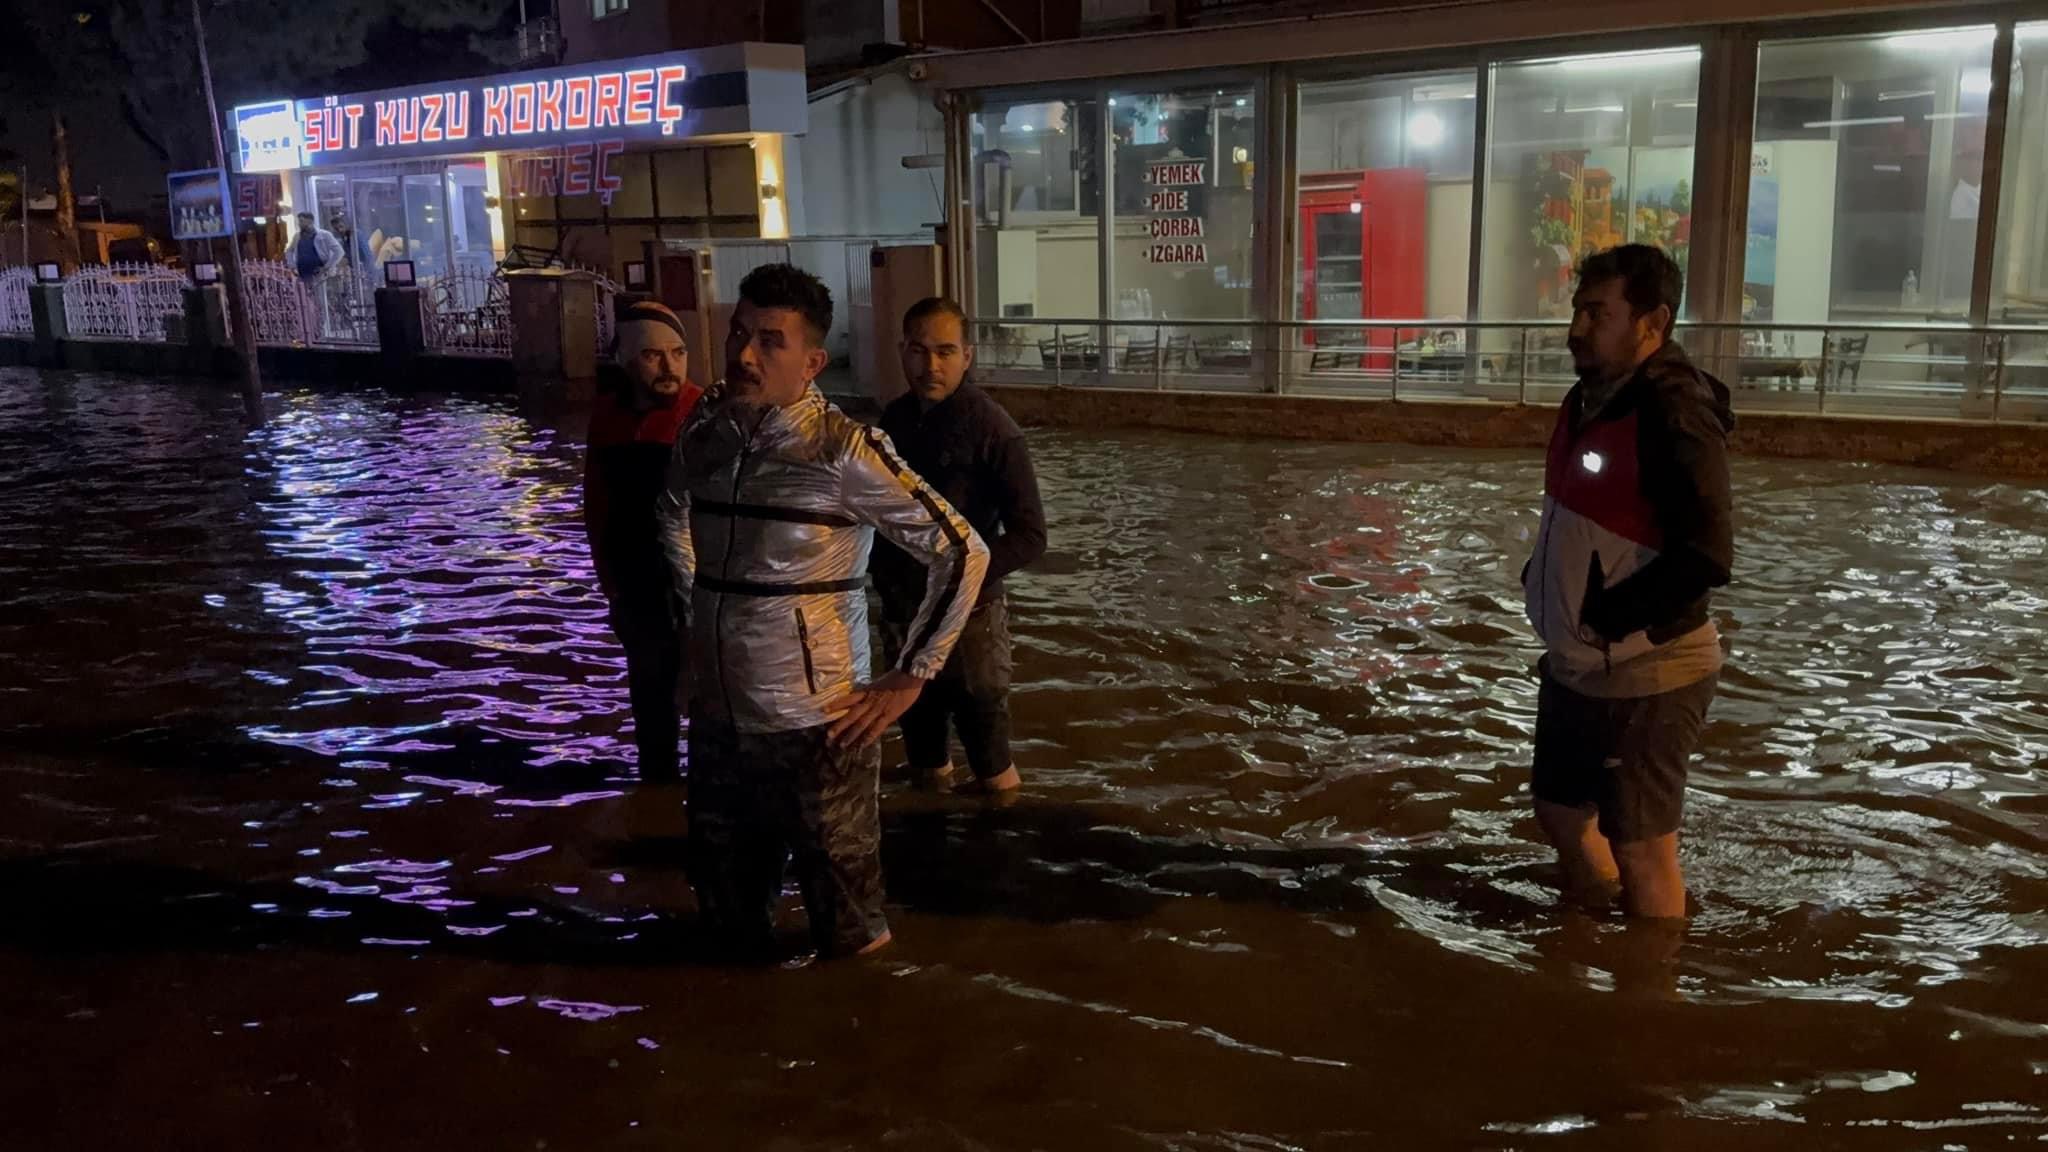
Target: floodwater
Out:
[316,830]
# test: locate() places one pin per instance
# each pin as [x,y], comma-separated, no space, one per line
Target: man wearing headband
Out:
[642,399]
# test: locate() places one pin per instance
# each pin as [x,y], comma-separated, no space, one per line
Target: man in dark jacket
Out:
[1637,528]
[642,400]
[967,448]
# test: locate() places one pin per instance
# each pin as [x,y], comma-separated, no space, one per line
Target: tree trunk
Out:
[67,203]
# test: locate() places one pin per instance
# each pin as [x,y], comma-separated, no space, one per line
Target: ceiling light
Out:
[1615,61]
[1944,40]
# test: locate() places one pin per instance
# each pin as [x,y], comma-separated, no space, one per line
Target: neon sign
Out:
[571,170]
[643,99]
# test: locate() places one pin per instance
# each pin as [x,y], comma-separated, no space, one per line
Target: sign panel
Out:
[258,195]
[642,99]
[267,137]
[199,204]
[1168,184]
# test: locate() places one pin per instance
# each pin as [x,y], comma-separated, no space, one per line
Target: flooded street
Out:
[314,829]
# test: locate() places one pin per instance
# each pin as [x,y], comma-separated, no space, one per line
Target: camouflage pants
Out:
[760,802]
[971,695]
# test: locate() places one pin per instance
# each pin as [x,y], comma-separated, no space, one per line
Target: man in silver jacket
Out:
[773,500]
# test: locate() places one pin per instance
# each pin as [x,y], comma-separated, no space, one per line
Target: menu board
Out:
[1176,227]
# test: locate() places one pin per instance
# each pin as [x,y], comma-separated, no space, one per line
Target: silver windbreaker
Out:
[768,531]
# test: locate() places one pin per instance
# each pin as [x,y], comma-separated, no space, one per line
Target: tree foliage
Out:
[71,52]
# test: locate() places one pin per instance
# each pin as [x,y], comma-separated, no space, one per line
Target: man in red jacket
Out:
[1637,530]
[641,401]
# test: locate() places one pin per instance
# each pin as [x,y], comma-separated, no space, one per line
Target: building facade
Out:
[1839,179]
[578,163]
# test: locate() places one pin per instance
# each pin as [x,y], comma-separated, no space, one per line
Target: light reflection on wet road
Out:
[315,828]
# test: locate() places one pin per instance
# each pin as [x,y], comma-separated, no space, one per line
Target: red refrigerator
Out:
[1364,252]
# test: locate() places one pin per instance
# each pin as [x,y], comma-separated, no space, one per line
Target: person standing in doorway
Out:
[773,502]
[641,402]
[962,443]
[316,256]
[1637,529]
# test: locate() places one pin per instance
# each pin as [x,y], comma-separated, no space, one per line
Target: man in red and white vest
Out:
[1637,528]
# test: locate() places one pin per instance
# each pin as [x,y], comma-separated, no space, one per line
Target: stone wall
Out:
[2007,449]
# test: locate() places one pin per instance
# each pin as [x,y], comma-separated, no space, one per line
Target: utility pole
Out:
[242,321]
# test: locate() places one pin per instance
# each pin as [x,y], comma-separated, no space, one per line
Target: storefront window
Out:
[2020,290]
[426,229]
[1184,205]
[1585,153]
[380,219]
[1864,180]
[685,193]
[1384,197]
[634,198]
[330,208]
[1037,203]
[469,221]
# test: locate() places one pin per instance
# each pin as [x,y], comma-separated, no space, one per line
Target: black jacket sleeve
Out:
[1684,451]
[1022,540]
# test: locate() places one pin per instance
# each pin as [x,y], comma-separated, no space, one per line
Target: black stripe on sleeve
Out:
[923,639]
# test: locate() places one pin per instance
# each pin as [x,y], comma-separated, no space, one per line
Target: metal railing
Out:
[15,317]
[468,314]
[538,39]
[1930,371]
[123,302]
[606,306]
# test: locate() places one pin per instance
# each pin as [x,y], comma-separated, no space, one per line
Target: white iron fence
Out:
[339,309]
[122,302]
[468,314]
[15,319]
[278,303]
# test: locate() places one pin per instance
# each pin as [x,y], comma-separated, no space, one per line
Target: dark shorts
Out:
[763,802]
[971,696]
[1626,757]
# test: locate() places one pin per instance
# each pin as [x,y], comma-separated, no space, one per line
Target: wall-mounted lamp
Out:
[771,192]
[203,274]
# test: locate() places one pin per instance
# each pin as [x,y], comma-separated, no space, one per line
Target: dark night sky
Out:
[106,152]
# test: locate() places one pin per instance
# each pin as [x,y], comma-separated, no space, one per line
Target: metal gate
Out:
[15,317]
[98,306]
[278,305]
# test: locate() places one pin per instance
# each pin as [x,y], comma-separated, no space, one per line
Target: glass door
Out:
[380,220]
[426,225]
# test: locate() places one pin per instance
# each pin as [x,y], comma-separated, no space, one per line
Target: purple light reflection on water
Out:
[587,1009]
[429,543]
[568,801]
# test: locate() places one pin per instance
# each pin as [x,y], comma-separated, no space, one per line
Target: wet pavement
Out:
[317,830]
